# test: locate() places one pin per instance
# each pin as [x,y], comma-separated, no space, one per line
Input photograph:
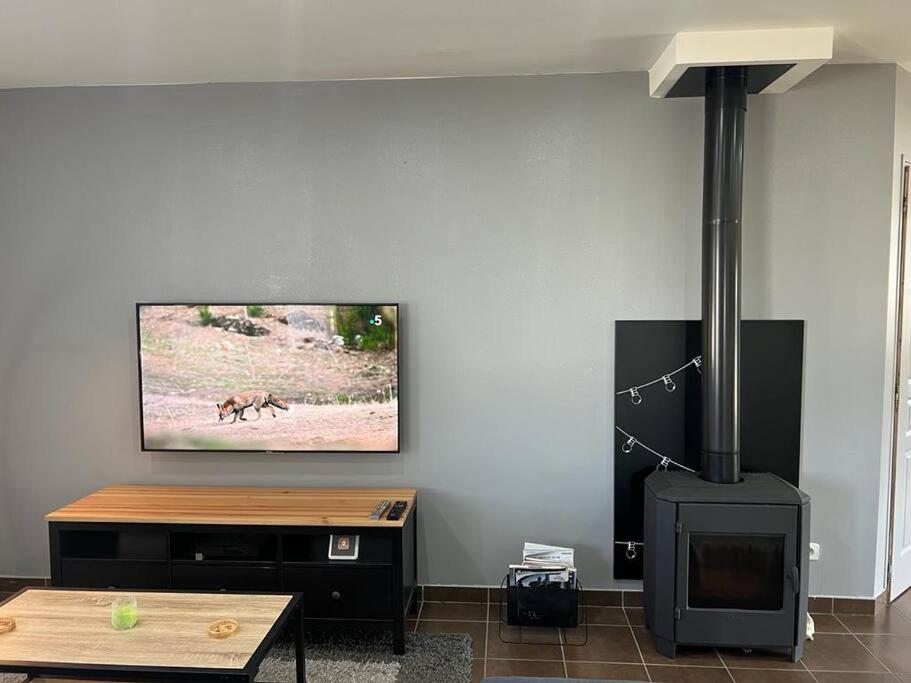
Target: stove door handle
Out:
[794,578]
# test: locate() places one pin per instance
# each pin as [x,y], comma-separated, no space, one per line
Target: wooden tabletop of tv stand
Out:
[339,507]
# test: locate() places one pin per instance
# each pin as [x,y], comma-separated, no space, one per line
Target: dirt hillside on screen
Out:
[340,395]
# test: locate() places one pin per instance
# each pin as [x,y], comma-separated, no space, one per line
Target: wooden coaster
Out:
[7,624]
[223,628]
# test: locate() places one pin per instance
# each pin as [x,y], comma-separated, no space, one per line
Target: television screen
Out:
[264,377]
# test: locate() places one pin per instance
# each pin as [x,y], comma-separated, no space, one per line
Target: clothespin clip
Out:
[697,361]
[668,383]
[630,550]
[634,396]
[662,466]
[628,446]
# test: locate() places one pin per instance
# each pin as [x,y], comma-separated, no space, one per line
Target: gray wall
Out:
[514,218]
[903,111]
[6,527]
[816,245]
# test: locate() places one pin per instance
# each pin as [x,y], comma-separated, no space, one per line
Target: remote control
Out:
[397,510]
[379,509]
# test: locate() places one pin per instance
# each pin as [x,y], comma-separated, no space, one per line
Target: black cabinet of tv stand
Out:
[379,587]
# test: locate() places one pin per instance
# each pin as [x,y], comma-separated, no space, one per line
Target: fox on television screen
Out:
[264,377]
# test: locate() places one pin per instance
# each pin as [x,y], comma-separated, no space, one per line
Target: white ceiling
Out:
[91,42]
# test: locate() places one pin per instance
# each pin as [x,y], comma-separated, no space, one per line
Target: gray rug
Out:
[366,657]
[353,656]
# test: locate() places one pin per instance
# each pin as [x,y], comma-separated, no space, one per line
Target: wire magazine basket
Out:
[536,607]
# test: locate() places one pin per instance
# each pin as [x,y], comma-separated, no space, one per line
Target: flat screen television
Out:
[269,377]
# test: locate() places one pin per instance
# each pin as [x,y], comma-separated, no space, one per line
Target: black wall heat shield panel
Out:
[670,422]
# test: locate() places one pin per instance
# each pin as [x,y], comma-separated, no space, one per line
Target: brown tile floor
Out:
[849,648]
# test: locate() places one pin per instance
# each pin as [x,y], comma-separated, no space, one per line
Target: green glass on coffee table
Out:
[124,612]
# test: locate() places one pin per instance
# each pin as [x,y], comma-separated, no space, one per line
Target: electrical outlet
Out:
[814,551]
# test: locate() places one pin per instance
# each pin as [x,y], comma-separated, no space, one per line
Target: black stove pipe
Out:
[725,110]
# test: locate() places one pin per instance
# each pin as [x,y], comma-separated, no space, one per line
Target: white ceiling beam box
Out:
[806,49]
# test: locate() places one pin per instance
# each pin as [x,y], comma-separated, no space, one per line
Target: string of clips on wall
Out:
[658,421]
[664,462]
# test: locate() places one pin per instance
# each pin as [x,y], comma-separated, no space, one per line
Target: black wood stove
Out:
[725,564]
[725,553]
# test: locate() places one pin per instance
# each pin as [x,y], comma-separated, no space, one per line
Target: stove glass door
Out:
[736,571]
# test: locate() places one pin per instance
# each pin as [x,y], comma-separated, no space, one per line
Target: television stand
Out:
[245,540]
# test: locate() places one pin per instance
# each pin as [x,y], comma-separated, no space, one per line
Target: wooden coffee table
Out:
[68,633]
